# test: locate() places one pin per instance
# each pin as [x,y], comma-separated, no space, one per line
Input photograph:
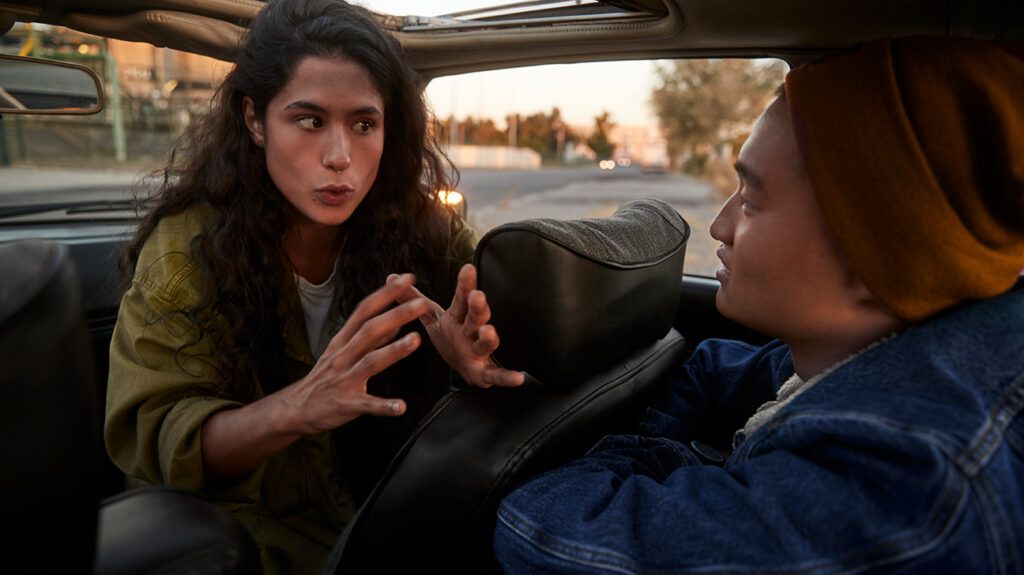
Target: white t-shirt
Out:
[322,322]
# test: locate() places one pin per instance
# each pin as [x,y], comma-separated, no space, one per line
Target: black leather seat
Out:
[586,309]
[51,450]
[160,529]
[49,438]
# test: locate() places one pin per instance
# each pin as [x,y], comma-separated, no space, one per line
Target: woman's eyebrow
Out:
[367,111]
[748,176]
[307,105]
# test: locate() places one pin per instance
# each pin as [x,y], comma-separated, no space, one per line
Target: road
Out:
[499,196]
[494,196]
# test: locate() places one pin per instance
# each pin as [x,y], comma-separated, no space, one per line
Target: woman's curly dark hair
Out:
[247,276]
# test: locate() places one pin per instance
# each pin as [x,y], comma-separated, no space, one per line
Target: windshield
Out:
[543,141]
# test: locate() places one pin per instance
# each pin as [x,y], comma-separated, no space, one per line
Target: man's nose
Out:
[336,153]
[722,226]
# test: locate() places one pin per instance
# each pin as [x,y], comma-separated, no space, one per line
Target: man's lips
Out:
[722,274]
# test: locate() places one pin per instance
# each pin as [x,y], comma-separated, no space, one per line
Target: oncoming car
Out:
[435,506]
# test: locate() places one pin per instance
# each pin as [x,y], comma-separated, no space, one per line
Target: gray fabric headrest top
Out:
[571,297]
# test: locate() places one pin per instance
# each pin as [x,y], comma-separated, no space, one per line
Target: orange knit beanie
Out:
[915,150]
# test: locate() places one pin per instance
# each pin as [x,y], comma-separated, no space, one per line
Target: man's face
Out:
[782,274]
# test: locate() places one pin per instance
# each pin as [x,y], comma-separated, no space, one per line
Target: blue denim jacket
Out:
[907,459]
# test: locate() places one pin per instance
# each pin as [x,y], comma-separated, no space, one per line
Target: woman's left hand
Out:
[462,335]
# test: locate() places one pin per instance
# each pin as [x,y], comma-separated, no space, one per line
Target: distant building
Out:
[645,145]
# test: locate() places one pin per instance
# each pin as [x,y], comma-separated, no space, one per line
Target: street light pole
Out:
[116,111]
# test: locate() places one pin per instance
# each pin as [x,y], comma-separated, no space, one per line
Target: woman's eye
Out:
[310,123]
[363,126]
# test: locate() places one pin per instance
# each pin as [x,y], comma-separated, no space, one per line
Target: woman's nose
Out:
[336,155]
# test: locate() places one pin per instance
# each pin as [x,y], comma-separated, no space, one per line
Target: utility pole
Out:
[559,140]
[5,160]
[116,110]
[513,130]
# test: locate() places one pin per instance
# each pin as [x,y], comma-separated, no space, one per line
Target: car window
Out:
[152,94]
[578,140]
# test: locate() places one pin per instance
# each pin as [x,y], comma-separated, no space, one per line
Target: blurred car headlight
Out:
[454,200]
[450,197]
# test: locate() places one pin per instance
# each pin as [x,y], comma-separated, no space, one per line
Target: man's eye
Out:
[745,203]
[363,126]
[310,123]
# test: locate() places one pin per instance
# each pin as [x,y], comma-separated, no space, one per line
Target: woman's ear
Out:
[253,122]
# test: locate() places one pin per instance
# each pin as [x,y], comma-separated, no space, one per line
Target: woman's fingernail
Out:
[395,407]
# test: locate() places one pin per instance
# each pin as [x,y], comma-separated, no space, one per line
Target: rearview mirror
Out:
[35,86]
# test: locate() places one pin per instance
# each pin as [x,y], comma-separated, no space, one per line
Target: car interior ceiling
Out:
[788,29]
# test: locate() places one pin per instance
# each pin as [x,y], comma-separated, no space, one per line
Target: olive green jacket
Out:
[164,383]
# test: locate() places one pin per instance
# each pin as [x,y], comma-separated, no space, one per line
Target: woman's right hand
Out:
[334,392]
[236,441]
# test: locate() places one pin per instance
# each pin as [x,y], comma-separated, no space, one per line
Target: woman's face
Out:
[323,134]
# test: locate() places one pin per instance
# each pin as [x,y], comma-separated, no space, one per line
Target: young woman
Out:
[246,343]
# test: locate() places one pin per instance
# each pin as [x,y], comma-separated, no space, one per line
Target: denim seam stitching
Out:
[1000,540]
[563,549]
[986,441]
[938,439]
[951,498]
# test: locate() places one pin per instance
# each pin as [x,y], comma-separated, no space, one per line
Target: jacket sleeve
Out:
[463,246]
[716,390]
[164,380]
[804,498]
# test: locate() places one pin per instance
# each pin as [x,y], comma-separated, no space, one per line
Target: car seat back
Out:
[50,442]
[434,510]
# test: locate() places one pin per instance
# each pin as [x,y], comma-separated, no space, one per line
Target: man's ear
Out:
[253,122]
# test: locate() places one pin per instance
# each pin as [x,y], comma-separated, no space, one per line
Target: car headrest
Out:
[50,436]
[547,280]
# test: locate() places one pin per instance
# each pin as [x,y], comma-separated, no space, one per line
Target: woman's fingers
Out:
[467,283]
[500,377]
[411,293]
[375,335]
[373,405]
[406,294]
[373,305]
[486,342]
[479,314]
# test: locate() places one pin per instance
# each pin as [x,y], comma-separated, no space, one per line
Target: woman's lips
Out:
[333,195]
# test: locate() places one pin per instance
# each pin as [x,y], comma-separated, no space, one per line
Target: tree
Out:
[598,140]
[548,134]
[483,132]
[701,103]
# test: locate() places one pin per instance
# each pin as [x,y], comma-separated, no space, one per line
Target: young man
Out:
[878,233]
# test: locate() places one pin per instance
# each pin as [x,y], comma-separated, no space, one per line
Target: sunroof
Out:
[423,16]
[424,7]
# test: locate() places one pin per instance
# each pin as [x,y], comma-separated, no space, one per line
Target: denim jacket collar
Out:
[954,366]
